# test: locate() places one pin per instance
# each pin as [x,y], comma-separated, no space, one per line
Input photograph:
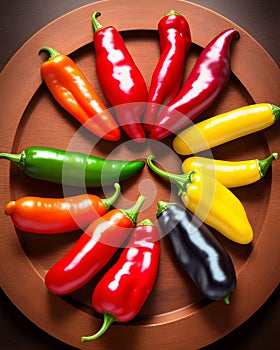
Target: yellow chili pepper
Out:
[225,127]
[212,202]
[229,173]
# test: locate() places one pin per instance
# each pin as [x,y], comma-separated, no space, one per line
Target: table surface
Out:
[19,21]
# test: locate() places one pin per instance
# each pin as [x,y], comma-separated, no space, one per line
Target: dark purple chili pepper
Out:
[202,257]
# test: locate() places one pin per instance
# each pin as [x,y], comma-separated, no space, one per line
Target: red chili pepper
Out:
[124,288]
[120,79]
[175,42]
[72,90]
[93,250]
[58,215]
[205,82]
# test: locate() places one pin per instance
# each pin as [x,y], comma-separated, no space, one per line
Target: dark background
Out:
[19,20]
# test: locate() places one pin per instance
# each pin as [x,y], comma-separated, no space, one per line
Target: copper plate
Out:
[175,315]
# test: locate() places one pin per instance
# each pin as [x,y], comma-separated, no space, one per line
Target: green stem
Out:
[108,320]
[108,202]
[173,12]
[226,299]
[132,213]
[15,158]
[95,24]
[162,206]
[264,164]
[146,222]
[276,112]
[181,180]
[52,52]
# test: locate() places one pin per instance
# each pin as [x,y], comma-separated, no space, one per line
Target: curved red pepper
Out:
[120,79]
[58,215]
[175,42]
[123,290]
[205,82]
[93,250]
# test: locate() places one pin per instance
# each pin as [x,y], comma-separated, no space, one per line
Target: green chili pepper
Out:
[72,168]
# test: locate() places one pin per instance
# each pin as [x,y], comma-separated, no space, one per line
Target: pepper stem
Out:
[15,158]
[181,180]
[162,206]
[264,164]
[132,213]
[95,24]
[107,321]
[52,52]
[108,202]
[146,222]
[226,299]
[173,12]
[276,112]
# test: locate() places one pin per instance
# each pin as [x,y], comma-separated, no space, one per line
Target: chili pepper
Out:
[204,84]
[212,202]
[71,89]
[124,288]
[93,250]
[72,168]
[226,127]
[120,78]
[202,257]
[58,215]
[175,41]
[230,173]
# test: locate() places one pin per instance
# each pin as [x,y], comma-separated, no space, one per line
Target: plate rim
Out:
[35,80]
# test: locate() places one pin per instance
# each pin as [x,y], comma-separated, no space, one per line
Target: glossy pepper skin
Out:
[226,127]
[93,250]
[195,248]
[211,202]
[204,84]
[125,287]
[175,42]
[230,173]
[72,168]
[58,215]
[72,90]
[120,78]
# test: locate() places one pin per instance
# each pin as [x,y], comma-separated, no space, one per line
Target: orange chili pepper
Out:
[76,95]
[58,215]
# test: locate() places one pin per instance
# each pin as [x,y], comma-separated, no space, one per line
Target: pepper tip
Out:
[10,207]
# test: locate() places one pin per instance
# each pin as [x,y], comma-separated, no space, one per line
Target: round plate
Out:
[176,314]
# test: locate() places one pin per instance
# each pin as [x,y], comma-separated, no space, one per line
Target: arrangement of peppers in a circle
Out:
[203,187]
